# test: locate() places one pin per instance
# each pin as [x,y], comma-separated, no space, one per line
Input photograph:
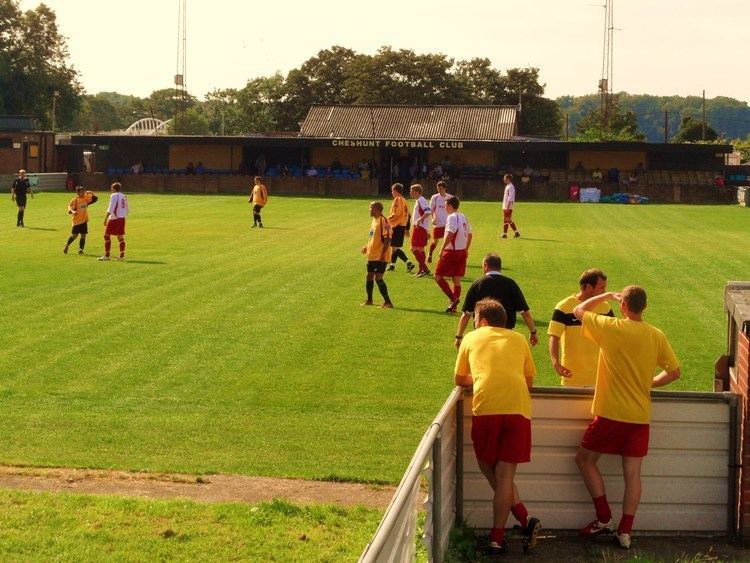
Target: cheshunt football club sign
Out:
[392,143]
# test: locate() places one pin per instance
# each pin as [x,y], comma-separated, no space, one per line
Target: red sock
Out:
[603,513]
[456,292]
[497,535]
[432,247]
[107,246]
[626,524]
[122,248]
[520,513]
[420,256]
[445,287]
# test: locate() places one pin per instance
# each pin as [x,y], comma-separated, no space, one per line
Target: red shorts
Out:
[115,227]
[501,437]
[452,264]
[438,232]
[507,214]
[419,237]
[614,437]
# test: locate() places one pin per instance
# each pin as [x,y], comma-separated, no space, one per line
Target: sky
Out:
[661,47]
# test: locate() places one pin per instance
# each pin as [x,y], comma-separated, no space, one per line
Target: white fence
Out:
[40,181]
[690,477]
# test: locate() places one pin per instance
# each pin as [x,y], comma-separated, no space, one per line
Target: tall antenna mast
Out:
[606,80]
[179,77]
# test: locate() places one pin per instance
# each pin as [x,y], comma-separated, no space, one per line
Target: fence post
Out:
[437,471]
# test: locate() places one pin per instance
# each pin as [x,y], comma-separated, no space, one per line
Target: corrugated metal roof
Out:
[460,123]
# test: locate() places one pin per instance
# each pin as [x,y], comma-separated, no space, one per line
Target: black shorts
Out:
[21,201]
[397,238]
[257,208]
[80,229]
[376,267]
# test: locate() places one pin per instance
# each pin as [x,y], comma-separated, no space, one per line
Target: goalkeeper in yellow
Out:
[79,209]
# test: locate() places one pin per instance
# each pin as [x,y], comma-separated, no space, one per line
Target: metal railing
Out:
[436,457]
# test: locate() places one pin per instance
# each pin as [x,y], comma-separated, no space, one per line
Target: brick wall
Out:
[739,384]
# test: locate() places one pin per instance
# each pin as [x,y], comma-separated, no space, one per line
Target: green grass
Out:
[69,527]
[219,348]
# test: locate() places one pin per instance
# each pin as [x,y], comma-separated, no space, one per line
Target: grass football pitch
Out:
[220,348]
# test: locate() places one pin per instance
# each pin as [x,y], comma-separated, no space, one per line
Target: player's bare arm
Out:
[665,377]
[464,380]
[554,355]
[591,303]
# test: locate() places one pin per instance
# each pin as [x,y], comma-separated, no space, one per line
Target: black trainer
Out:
[530,534]
[493,549]
[409,267]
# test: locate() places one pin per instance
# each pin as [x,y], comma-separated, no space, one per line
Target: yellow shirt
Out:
[399,212]
[259,195]
[79,206]
[380,230]
[630,352]
[499,360]
[577,353]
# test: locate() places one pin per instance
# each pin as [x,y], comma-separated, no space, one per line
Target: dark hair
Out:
[453,202]
[635,298]
[441,183]
[117,186]
[377,205]
[416,187]
[398,187]
[591,277]
[493,261]
[492,311]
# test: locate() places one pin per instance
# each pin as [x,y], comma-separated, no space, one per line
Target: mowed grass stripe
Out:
[217,347]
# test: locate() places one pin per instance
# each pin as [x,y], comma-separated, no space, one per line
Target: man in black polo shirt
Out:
[499,287]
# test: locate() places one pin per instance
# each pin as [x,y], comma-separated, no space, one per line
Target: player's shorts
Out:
[376,267]
[21,201]
[507,214]
[438,232]
[80,229]
[115,227]
[501,437]
[397,237]
[452,263]
[257,208]
[419,237]
[608,436]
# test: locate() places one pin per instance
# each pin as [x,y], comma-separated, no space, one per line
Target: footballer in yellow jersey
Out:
[399,220]
[378,252]
[259,199]
[78,208]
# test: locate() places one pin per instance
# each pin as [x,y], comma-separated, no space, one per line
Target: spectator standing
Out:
[577,367]
[497,364]
[630,351]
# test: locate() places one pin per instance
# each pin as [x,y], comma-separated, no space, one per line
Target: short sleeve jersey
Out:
[498,287]
[439,212]
[118,206]
[630,352]
[499,360]
[579,354]
[21,187]
[399,212]
[80,208]
[259,195]
[459,224]
[421,214]
[509,196]
[380,230]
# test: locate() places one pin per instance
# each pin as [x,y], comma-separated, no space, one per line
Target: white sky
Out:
[662,47]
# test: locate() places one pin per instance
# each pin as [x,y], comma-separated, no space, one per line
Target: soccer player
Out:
[579,354]
[398,219]
[18,190]
[501,288]
[78,208]
[114,221]
[496,362]
[420,221]
[439,216]
[378,251]
[453,254]
[509,200]
[259,199]
[629,352]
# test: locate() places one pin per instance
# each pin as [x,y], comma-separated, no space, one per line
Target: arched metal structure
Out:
[148,126]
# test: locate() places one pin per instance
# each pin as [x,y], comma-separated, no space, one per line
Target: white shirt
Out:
[437,206]
[118,206]
[420,217]
[509,196]
[457,223]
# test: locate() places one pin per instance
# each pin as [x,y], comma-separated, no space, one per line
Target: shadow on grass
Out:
[275,229]
[126,261]
[39,229]
[440,312]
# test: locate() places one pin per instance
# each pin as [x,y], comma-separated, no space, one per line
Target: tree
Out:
[260,104]
[170,102]
[33,66]
[691,131]
[616,124]
[190,122]
[222,110]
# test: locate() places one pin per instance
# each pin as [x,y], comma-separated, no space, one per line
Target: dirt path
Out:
[205,488]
